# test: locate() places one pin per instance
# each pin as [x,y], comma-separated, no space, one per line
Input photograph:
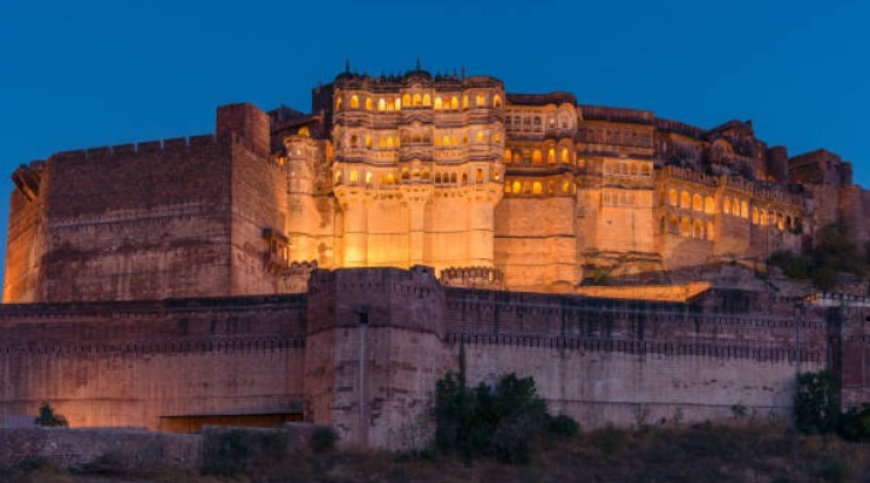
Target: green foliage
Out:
[48,418]
[498,421]
[816,405]
[854,424]
[563,426]
[323,439]
[835,252]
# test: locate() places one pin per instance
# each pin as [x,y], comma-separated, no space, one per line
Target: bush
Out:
[323,439]
[48,418]
[499,421]
[834,252]
[816,406]
[854,424]
[563,426]
[234,451]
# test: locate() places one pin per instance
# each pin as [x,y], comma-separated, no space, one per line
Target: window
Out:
[418,100]
[565,155]
[382,105]
[406,99]
[744,209]
[537,188]
[354,102]
[697,202]
[368,177]
[439,104]
[496,101]
[427,100]
[685,200]
[551,156]
[496,138]
[479,137]
[480,100]
[536,157]
[478,175]
[338,103]
[698,230]
[398,104]
[710,230]
[354,176]
[518,188]
[454,102]
[465,101]
[369,105]
[726,205]
[672,197]
[709,205]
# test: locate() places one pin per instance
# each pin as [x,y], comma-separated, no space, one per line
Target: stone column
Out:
[354,205]
[416,197]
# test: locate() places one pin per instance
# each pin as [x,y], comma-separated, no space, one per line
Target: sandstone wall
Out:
[131,364]
[141,222]
[24,247]
[535,243]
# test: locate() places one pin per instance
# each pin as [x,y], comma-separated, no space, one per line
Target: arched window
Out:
[754,215]
[763,218]
[633,169]
[453,178]
[406,173]
[368,141]
[709,205]
[744,209]
[551,155]
[390,142]
[445,140]
[439,104]
[672,197]
[338,103]
[427,100]
[382,104]
[537,158]
[454,102]
[507,187]
[368,177]
[382,142]
[480,100]
[685,200]
[479,137]
[565,155]
[726,205]
[354,176]
[735,207]
[478,176]
[663,225]
[406,100]
[507,155]
[391,179]
[426,173]
[710,230]
[354,140]
[566,186]
[354,102]
[674,224]
[369,104]
[537,188]
[465,101]
[496,101]
[496,138]
[518,188]
[337,177]
[417,100]
[697,202]
[464,178]
[645,170]
[398,104]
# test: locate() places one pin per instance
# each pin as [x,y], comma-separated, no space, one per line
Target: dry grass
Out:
[685,454]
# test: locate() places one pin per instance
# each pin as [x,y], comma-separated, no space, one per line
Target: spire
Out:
[347,66]
[418,63]
[463,73]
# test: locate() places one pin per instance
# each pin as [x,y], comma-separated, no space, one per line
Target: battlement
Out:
[616,114]
[473,277]
[140,148]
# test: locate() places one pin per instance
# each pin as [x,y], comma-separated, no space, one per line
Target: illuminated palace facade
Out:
[527,192]
[544,192]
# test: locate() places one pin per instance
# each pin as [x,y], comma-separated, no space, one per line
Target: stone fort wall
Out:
[362,349]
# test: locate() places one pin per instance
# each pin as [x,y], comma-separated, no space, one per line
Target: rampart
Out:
[362,349]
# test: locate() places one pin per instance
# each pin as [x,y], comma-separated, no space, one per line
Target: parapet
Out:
[244,121]
[473,277]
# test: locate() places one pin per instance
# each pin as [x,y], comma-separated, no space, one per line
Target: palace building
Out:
[330,266]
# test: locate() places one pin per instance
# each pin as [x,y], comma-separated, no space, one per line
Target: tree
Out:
[48,418]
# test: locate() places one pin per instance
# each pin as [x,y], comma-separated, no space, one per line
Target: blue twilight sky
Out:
[82,74]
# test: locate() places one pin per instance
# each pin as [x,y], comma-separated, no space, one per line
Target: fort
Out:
[331,266]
